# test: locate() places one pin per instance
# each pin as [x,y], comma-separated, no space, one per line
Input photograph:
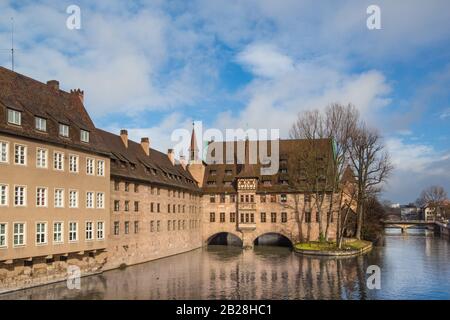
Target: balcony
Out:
[246,206]
[246,226]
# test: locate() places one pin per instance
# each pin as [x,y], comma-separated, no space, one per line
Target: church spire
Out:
[193,149]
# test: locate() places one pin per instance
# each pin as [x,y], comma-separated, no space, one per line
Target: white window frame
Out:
[5,153]
[59,203]
[76,198]
[60,232]
[23,233]
[90,201]
[90,232]
[4,235]
[56,159]
[62,132]
[24,204]
[41,233]
[83,135]
[6,188]
[71,231]
[100,232]
[77,163]
[41,163]
[101,168]
[90,169]
[14,117]
[100,196]
[24,154]
[38,121]
[45,198]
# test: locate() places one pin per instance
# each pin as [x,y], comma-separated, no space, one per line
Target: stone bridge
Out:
[405,224]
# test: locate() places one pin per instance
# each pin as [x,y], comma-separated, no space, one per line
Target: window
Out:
[262,198]
[116,205]
[20,154]
[273,198]
[158,225]
[283,217]
[330,216]
[222,217]
[152,226]
[101,168]
[116,228]
[222,198]
[136,227]
[84,136]
[73,163]
[63,130]
[73,199]
[4,152]
[151,207]
[273,217]
[232,216]
[89,231]
[100,200]
[308,217]
[168,208]
[127,205]
[127,227]
[169,223]
[283,198]
[90,166]
[14,117]
[127,186]
[116,185]
[41,233]
[41,124]
[19,234]
[263,217]
[19,196]
[212,217]
[41,197]
[212,199]
[317,217]
[59,198]
[3,195]
[89,200]
[158,208]
[58,161]
[41,158]
[136,187]
[3,235]
[232,198]
[58,232]
[100,230]
[73,231]
[136,206]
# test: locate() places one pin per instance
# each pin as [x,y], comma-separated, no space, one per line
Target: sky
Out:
[155,66]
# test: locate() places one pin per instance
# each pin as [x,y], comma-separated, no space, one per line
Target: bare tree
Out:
[371,164]
[433,196]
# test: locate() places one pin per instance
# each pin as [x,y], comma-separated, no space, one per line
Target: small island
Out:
[350,247]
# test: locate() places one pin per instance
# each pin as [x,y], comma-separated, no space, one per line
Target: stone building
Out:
[54,184]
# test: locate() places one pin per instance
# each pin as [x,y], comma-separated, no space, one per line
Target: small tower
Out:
[195,166]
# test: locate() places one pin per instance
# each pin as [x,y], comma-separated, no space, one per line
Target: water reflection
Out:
[414,266]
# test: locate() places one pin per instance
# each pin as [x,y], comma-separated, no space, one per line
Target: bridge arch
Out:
[273,239]
[224,238]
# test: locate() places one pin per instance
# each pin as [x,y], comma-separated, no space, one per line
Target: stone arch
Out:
[283,238]
[235,239]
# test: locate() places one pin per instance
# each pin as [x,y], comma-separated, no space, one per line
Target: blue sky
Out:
[155,66]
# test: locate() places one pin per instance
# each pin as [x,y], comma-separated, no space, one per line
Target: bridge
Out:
[405,224]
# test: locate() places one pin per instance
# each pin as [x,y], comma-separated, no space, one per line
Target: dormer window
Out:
[213,172]
[63,130]
[14,117]
[41,124]
[84,136]
[228,172]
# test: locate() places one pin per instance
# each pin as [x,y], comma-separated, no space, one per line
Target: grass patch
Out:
[331,246]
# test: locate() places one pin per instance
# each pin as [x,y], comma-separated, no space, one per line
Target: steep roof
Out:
[133,163]
[221,175]
[36,99]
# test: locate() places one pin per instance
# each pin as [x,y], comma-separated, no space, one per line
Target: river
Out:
[413,266]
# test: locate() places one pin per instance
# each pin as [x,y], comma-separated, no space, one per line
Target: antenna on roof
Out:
[12,43]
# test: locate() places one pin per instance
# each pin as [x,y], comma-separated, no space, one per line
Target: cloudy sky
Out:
[155,66]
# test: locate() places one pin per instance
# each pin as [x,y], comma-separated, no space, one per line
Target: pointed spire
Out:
[193,149]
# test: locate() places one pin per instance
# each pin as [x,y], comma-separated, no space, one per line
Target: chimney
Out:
[145,144]
[171,156]
[54,84]
[183,162]
[124,136]
[78,93]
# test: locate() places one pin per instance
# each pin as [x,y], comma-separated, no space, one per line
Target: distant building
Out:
[409,212]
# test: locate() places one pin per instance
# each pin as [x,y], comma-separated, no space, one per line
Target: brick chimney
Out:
[54,84]
[145,144]
[78,93]
[124,136]
[171,156]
